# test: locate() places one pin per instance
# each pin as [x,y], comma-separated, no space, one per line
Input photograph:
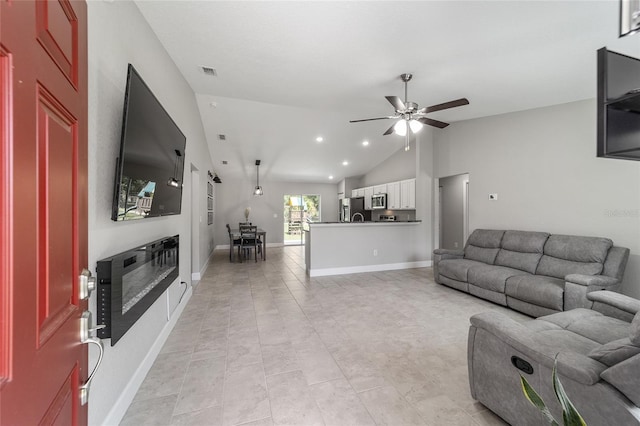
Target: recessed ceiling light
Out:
[365,143]
[330,177]
[319,139]
[345,163]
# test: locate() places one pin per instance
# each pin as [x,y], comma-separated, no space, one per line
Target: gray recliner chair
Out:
[598,361]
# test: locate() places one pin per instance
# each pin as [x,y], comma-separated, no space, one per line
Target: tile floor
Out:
[262,344]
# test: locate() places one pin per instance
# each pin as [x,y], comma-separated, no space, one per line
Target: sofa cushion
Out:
[456,268]
[537,289]
[527,262]
[590,324]
[491,277]
[560,268]
[569,254]
[578,249]
[489,238]
[524,241]
[614,352]
[521,250]
[624,377]
[634,330]
[481,254]
[483,245]
[565,340]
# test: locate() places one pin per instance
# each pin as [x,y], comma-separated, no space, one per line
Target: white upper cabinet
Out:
[380,189]
[368,193]
[408,194]
[393,195]
[400,195]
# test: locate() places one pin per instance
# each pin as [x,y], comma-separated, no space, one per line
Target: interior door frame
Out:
[437,223]
[301,222]
[196,219]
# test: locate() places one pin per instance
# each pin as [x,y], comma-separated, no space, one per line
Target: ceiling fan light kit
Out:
[410,118]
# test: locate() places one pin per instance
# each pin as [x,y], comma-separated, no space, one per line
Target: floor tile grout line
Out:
[256,283]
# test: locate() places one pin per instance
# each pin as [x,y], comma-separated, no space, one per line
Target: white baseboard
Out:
[197,276]
[121,405]
[368,268]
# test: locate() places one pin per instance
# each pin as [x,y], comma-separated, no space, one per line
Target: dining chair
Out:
[233,243]
[249,239]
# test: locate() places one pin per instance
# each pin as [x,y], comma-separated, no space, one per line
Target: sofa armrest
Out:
[601,281]
[444,254]
[614,304]
[572,365]
[577,286]
[449,252]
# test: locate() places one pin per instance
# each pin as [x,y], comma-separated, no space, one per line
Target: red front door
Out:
[43,210]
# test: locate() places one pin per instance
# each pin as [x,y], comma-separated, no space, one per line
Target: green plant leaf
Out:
[536,400]
[570,415]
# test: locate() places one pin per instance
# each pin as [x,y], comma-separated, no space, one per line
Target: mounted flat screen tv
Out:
[149,171]
[618,105]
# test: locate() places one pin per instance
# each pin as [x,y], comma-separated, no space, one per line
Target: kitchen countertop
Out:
[369,223]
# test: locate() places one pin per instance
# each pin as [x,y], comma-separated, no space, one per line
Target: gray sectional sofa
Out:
[598,361]
[532,272]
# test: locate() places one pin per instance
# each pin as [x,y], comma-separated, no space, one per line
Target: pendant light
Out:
[173,180]
[258,190]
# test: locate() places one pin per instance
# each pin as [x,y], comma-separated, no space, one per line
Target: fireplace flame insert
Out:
[129,283]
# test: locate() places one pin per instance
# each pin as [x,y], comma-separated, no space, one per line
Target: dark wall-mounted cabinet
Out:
[618,106]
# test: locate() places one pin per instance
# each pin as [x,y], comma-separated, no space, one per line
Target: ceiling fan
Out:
[411,119]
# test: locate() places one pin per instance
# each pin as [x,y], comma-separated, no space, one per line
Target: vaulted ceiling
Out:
[288,72]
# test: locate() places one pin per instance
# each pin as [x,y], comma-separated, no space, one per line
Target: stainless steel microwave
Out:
[379,201]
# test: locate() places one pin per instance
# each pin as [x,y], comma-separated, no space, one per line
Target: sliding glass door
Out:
[299,210]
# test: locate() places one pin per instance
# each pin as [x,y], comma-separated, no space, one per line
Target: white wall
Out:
[399,166]
[118,35]
[346,248]
[425,183]
[234,195]
[543,165]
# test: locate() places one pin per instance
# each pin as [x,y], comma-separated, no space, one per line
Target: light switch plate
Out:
[493,197]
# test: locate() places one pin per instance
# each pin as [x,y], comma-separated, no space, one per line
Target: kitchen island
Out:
[334,248]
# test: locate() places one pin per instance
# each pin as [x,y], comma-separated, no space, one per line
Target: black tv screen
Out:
[618,106]
[150,168]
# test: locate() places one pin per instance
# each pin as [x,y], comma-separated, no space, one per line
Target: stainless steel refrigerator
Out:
[352,210]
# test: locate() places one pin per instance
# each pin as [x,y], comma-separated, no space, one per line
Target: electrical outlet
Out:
[375,252]
[493,197]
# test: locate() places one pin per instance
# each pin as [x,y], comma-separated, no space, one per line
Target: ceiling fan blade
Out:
[389,130]
[446,105]
[372,119]
[396,102]
[432,122]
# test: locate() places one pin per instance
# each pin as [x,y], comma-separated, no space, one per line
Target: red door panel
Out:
[57,31]
[43,210]
[5,213]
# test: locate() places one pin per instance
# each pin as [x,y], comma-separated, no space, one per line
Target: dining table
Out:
[260,233]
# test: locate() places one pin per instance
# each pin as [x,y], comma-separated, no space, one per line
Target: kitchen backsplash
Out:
[401,215]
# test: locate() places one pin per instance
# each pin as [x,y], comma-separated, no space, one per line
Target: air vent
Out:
[210,71]
[222,137]
[225,162]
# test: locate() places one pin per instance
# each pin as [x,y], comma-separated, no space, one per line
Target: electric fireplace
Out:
[129,283]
